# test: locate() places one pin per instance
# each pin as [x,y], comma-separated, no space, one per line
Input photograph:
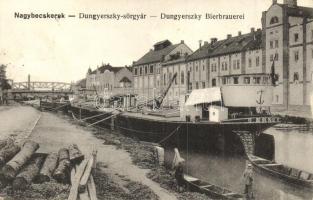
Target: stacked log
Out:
[76,155]
[15,164]
[48,168]
[6,142]
[61,174]
[28,173]
[8,152]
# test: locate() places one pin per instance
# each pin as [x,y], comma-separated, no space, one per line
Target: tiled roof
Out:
[107,67]
[155,56]
[249,41]
[125,79]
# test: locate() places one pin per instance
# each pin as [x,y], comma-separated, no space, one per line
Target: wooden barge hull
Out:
[216,137]
[285,174]
[54,106]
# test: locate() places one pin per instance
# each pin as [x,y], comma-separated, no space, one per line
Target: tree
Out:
[4,83]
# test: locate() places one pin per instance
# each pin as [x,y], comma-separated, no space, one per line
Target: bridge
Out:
[40,88]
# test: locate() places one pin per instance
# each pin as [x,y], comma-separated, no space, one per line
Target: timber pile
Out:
[20,167]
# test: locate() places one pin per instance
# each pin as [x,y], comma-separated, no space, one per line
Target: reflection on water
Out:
[292,149]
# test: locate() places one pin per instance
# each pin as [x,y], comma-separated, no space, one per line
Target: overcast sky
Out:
[62,50]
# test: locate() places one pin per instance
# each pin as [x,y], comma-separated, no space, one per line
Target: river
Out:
[292,148]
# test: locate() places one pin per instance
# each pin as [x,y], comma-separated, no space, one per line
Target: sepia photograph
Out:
[156,100]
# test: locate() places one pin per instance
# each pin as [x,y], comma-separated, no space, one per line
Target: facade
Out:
[288,32]
[110,80]
[147,71]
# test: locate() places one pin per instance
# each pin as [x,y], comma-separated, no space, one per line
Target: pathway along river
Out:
[292,148]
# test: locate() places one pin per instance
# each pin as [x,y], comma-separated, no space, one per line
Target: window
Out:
[238,64]
[257,61]
[296,56]
[136,71]
[256,80]
[277,98]
[265,80]
[226,66]
[164,79]
[146,70]
[197,85]
[213,82]
[223,66]
[236,80]
[276,43]
[203,67]
[250,62]
[151,69]
[296,77]
[224,80]
[175,80]
[296,37]
[182,78]
[234,64]
[140,71]
[271,45]
[246,80]
[196,68]
[276,56]
[203,84]
[274,20]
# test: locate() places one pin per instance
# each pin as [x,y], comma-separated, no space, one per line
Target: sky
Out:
[64,49]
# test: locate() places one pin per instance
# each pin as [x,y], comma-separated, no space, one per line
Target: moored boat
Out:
[284,173]
[213,191]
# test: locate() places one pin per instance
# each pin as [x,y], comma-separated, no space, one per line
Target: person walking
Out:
[248,179]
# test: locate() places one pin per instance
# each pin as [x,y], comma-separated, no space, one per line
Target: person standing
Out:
[179,176]
[248,179]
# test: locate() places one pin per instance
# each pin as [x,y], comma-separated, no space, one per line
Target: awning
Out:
[206,95]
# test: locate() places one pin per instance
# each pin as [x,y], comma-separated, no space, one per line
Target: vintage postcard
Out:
[156,100]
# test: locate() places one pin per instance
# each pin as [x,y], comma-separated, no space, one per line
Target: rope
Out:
[103,119]
[133,130]
[95,116]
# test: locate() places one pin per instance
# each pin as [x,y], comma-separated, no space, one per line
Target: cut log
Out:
[84,196]
[84,180]
[92,188]
[8,152]
[6,142]
[28,173]
[48,168]
[76,155]
[15,164]
[79,172]
[62,172]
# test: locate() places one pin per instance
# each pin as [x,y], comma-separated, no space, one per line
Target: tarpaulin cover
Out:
[247,95]
[206,95]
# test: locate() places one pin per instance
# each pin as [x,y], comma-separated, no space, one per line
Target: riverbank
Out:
[116,177]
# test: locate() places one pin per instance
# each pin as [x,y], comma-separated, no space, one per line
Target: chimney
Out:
[200,43]
[290,3]
[252,30]
[274,2]
[239,33]
[228,36]
[206,43]
[182,42]
[213,40]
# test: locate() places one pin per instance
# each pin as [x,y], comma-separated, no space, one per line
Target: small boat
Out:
[213,191]
[284,173]
[54,105]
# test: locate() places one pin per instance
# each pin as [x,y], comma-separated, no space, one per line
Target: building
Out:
[147,70]
[288,33]
[110,80]
[285,44]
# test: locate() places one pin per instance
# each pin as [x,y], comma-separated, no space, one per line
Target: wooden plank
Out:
[271,164]
[74,189]
[92,188]
[85,177]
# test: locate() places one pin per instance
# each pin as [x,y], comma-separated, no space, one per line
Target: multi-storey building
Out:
[288,33]
[110,80]
[147,70]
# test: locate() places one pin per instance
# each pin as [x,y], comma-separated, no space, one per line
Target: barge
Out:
[208,118]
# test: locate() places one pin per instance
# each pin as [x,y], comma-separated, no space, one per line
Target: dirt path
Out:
[53,132]
[17,121]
